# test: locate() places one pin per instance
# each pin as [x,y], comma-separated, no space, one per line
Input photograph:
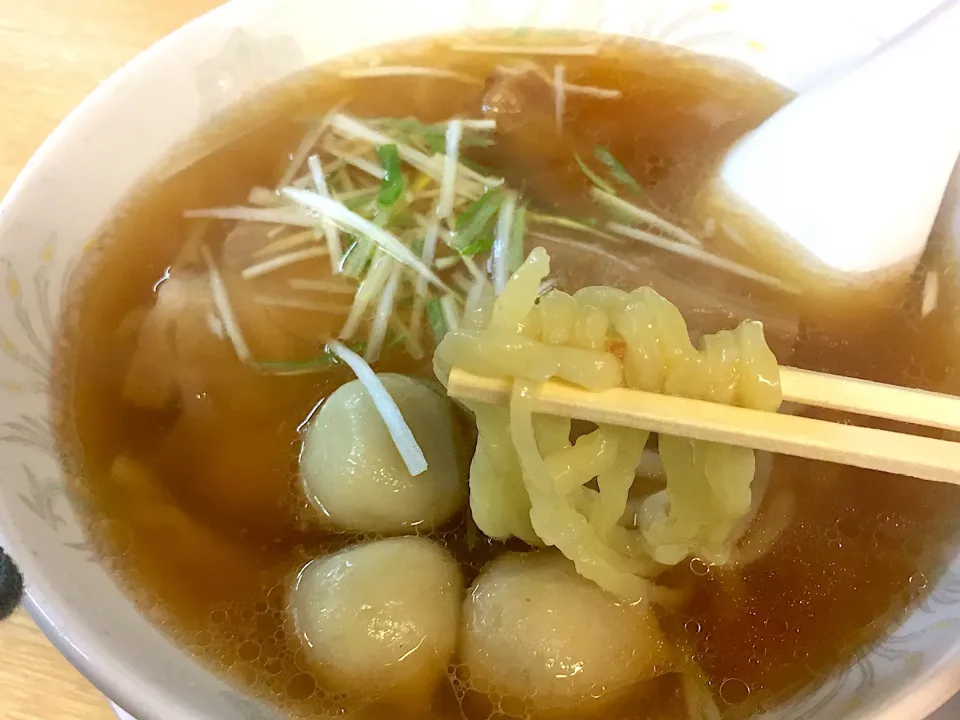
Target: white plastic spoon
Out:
[852,171]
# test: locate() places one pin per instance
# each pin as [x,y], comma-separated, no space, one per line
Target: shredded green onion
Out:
[593,177]
[473,140]
[589,222]
[477,167]
[433,135]
[394,339]
[480,245]
[486,205]
[515,253]
[437,319]
[305,367]
[392,213]
[391,189]
[473,224]
[587,226]
[356,258]
[617,170]
[417,246]
[361,202]
[302,367]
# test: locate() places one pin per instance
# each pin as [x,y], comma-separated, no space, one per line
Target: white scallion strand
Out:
[571,50]
[382,71]
[400,432]
[282,261]
[644,216]
[342,215]
[559,95]
[360,163]
[307,144]
[297,304]
[420,290]
[290,215]
[290,242]
[569,88]
[370,288]
[451,316]
[448,184]
[330,230]
[321,286]
[381,320]
[701,256]
[221,301]
[501,242]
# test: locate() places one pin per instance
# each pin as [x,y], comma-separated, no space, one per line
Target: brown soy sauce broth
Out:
[207,527]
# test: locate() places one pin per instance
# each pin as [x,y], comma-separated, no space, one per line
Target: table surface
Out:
[52,54]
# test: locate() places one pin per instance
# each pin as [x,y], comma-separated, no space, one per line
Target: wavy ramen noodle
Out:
[529,480]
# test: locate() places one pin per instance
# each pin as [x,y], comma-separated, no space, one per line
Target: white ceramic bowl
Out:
[134,120]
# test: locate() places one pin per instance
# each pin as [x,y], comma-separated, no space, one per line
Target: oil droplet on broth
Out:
[698,567]
[734,691]
[302,686]
[512,707]
[249,651]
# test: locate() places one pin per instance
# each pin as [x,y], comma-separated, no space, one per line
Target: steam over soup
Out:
[253,404]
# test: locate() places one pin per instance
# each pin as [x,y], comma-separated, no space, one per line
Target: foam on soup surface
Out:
[194,363]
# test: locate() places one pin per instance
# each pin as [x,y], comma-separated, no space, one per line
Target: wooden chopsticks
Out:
[864,397]
[916,456]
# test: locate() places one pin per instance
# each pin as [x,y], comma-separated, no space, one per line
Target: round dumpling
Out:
[353,472]
[381,618]
[535,629]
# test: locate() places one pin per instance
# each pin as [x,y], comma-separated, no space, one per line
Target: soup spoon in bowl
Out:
[848,177]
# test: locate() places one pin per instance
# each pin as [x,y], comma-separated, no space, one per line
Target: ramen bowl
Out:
[131,125]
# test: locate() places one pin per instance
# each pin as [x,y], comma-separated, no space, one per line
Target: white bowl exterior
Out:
[129,125]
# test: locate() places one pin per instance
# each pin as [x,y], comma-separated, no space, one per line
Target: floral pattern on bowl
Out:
[146,110]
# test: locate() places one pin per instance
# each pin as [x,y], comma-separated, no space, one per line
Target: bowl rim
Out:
[61,625]
[79,645]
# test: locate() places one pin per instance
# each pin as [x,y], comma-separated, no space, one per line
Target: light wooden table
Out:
[52,54]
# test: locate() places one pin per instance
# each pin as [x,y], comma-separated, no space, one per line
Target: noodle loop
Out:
[530,480]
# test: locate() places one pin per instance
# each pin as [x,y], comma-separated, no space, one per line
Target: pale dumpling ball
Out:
[354,474]
[381,618]
[534,628]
